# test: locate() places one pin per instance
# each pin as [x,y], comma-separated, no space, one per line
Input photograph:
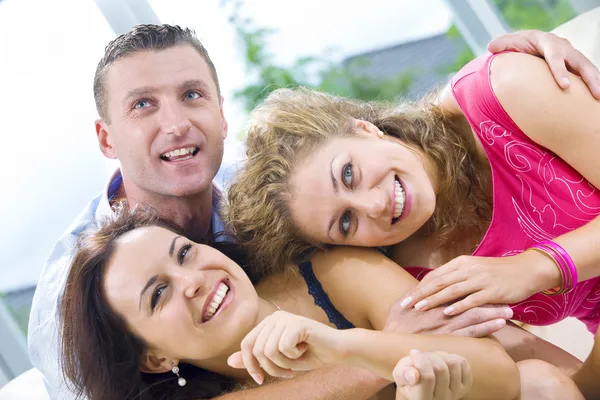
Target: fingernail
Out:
[406,302]
[411,377]
[421,304]
[414,351]
[449,310]
[509,313]
[500,322]
[257,378]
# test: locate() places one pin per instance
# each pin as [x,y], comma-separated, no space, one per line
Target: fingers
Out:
[480,321]
[443,289]
[426,386]
[269,356]
[250,362]
[520,41]
[429,286]
[471,301]
[442,374]
[405,372]
[556,62]
[455,368]
[588,72]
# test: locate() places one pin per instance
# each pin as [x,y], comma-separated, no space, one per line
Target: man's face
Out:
[166,121]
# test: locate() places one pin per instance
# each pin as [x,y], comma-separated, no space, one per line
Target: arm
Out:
[334,383]
[285,342]
[563,121]
[558,52]
[568,126]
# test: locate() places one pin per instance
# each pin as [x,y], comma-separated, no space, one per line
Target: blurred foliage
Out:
[319,72]
[543,15]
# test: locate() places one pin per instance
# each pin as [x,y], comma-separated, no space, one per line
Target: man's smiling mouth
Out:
[182,154]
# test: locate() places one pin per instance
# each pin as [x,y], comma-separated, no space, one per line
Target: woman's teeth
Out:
[399,199]
[216,301]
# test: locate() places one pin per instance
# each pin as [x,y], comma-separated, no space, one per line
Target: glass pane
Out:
[51,166]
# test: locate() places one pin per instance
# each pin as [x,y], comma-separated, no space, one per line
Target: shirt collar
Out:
[114,183]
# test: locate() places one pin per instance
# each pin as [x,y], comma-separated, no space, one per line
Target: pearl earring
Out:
[380,134]
[180,381]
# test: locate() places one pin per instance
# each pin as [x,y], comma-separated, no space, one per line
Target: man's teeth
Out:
[179,152]
[216,301]
[399,199]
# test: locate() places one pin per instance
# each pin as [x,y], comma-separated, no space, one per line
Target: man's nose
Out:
[174,119]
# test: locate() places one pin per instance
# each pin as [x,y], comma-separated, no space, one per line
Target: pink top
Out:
[536,196]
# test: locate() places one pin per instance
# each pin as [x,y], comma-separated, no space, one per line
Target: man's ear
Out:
[363,127]
[224,125]
[104,140]
[154,364]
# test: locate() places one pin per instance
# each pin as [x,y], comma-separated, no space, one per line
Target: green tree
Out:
[318,72]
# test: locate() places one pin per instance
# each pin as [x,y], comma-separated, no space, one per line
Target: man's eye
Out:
[156,296]
[141,104]
[348,175]
[192,95]
[345,220]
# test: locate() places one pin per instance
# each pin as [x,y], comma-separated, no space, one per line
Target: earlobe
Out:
[104,140]
[153,364]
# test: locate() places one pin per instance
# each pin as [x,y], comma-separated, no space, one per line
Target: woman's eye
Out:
[156,296]
[345,223]
[182,253]
[348,175]
[192,95]
[141,104]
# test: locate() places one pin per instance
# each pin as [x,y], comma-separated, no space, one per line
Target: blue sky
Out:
[51,166]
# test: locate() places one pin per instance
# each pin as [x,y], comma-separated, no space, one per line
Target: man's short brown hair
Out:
[143,38]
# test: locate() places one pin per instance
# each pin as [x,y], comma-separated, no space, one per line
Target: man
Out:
[161,115]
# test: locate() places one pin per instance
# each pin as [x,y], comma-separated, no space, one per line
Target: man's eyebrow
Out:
[193,83]
[148,284]
[138,92]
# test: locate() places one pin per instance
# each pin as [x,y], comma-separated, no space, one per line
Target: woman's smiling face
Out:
[362,190]
[185,300]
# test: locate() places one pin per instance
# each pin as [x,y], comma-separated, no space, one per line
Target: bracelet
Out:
[565,264]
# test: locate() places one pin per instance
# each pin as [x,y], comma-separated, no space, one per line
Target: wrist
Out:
[546,273]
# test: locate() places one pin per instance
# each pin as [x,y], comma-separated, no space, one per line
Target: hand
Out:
[283,343]
[477,322]
[432,376]
[557,51]
[484,280]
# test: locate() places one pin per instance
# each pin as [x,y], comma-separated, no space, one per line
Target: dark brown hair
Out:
[101,358]
[144,38]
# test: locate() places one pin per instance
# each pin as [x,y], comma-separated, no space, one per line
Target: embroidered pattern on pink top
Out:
[538,197]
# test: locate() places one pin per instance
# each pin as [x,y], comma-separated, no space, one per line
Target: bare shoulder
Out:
[513,74]
[362,283]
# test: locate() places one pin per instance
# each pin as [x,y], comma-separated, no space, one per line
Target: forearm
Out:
[332,383]
[583,246]
[495,375]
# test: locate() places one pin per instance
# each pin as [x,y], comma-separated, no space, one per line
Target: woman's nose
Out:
[191,282]
[373,203]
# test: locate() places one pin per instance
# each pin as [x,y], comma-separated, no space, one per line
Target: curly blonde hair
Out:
[292,123]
